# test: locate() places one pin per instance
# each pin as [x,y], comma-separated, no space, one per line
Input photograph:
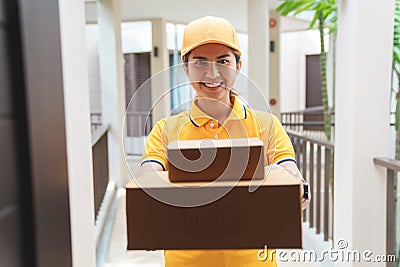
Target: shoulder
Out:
[261,114]
[174,120]
[262,117]
[266,120]
[182,116]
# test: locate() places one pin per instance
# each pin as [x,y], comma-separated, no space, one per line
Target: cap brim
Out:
[210,41]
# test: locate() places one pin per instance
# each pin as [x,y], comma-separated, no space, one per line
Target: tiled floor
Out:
[118,256]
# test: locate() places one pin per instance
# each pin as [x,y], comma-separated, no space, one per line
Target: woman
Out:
[211,55]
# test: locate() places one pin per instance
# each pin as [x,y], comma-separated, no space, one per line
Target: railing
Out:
[100,164]
[393,167]
[104,189]
[138,123]
[309,121]
[138,126]
[314,159]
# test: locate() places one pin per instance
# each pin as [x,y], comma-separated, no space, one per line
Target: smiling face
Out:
[212,71]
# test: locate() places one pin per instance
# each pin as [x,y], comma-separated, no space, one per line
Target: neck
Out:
[215,108]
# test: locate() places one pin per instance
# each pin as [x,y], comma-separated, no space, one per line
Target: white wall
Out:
[92,50]
[136,37]
[364,56]
[289,24]
[294,48]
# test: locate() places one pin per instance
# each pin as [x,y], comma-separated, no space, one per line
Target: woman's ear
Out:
[239,65]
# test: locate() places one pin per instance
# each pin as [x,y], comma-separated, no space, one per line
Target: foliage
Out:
[396,71]
[325,13]
[327,8]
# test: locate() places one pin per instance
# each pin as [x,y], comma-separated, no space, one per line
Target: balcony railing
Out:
[309,121]
[314,159]
[100,164]
[138,123]
[138,126]
[392,167]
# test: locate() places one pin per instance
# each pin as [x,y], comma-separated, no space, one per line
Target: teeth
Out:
[213,84]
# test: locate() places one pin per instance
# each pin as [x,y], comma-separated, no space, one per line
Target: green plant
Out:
[325,13]
[396,94]
[396,72]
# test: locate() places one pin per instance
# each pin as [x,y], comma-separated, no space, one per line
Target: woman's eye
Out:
[200,63]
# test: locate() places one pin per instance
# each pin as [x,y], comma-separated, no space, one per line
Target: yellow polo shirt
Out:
[195,124]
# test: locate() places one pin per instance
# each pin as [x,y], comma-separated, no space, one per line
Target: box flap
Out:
[214,143]
[274,176]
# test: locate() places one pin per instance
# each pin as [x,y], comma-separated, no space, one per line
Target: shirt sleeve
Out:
[155,149]
[277,145]
[280,147]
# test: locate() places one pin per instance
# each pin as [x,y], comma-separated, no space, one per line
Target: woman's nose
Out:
[212,70]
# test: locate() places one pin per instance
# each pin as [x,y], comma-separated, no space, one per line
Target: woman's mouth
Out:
[212,85]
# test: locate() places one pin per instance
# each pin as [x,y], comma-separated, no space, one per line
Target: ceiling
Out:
[183,11]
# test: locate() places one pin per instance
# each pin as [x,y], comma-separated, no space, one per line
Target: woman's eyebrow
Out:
[202,58]
[223,56]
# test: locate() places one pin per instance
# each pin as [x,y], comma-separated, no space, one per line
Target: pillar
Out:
[112,84]
[78,135]
[274,62]
[258,32]
[159,61]
[364,50]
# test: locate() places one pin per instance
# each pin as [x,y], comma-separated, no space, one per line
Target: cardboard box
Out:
[208,160]
[271,215]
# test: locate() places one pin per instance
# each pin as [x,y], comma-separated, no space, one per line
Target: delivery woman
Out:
[211,55]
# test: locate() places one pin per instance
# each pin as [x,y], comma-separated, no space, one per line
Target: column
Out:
[364,50]
[78,135]
[112,84]
[274,62]
[258,31]
[159,61]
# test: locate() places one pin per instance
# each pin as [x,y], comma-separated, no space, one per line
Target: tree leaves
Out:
[295,6]
[327,7]
[325,12]
[396,38]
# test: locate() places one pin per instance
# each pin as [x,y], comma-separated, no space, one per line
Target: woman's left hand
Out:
[291,167]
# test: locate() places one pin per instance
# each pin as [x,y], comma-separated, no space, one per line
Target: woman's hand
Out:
[291,167]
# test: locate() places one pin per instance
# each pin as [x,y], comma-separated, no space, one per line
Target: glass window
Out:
[181,91]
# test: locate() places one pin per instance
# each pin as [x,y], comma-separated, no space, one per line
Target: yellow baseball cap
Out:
[209,30]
